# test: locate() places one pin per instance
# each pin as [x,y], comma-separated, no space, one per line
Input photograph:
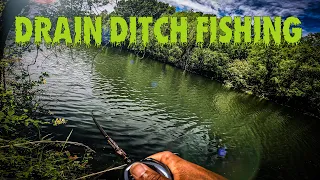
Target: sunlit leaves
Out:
[59,121]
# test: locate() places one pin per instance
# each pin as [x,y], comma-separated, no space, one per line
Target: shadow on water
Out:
[149,107]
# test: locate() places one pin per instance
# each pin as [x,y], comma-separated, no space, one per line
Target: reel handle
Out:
[153,164]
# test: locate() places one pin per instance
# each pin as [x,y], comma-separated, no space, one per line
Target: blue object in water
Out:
[105,35]
[222,152]
[154,84]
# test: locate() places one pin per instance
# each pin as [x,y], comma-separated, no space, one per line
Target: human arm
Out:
[180,168]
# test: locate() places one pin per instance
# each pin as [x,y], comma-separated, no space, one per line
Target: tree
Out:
[142,8]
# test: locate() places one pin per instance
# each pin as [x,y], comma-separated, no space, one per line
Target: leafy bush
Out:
[22,157]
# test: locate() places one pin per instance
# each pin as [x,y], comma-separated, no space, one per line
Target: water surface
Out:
[147,107]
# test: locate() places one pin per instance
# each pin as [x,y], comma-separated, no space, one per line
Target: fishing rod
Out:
[111,142]
[152,163]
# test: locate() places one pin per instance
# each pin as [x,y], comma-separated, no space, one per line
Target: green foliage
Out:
[40,162]
[17,107]
[238,74]
[20,157]
[142,8]
[2,5]
[289,74]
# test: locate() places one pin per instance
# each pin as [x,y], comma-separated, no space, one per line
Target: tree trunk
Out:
[11,10]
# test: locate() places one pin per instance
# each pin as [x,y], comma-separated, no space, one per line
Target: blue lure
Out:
[222,152]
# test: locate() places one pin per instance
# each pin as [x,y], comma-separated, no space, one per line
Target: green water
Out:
[148,107]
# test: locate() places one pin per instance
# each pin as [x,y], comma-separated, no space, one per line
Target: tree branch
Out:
[48,142]
[100,172]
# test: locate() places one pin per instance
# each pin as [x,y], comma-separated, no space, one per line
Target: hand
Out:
[180,168]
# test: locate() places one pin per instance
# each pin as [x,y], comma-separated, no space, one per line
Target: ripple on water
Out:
[147,107]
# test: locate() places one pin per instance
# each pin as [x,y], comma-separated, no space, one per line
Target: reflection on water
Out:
[149,107]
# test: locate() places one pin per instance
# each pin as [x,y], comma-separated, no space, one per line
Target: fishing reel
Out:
[154,165]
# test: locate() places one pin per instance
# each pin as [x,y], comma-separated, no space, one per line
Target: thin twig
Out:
[34,62]
[46,136]
[48,142]
[67,139]
[97,177]
[3,140]
[112,169]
